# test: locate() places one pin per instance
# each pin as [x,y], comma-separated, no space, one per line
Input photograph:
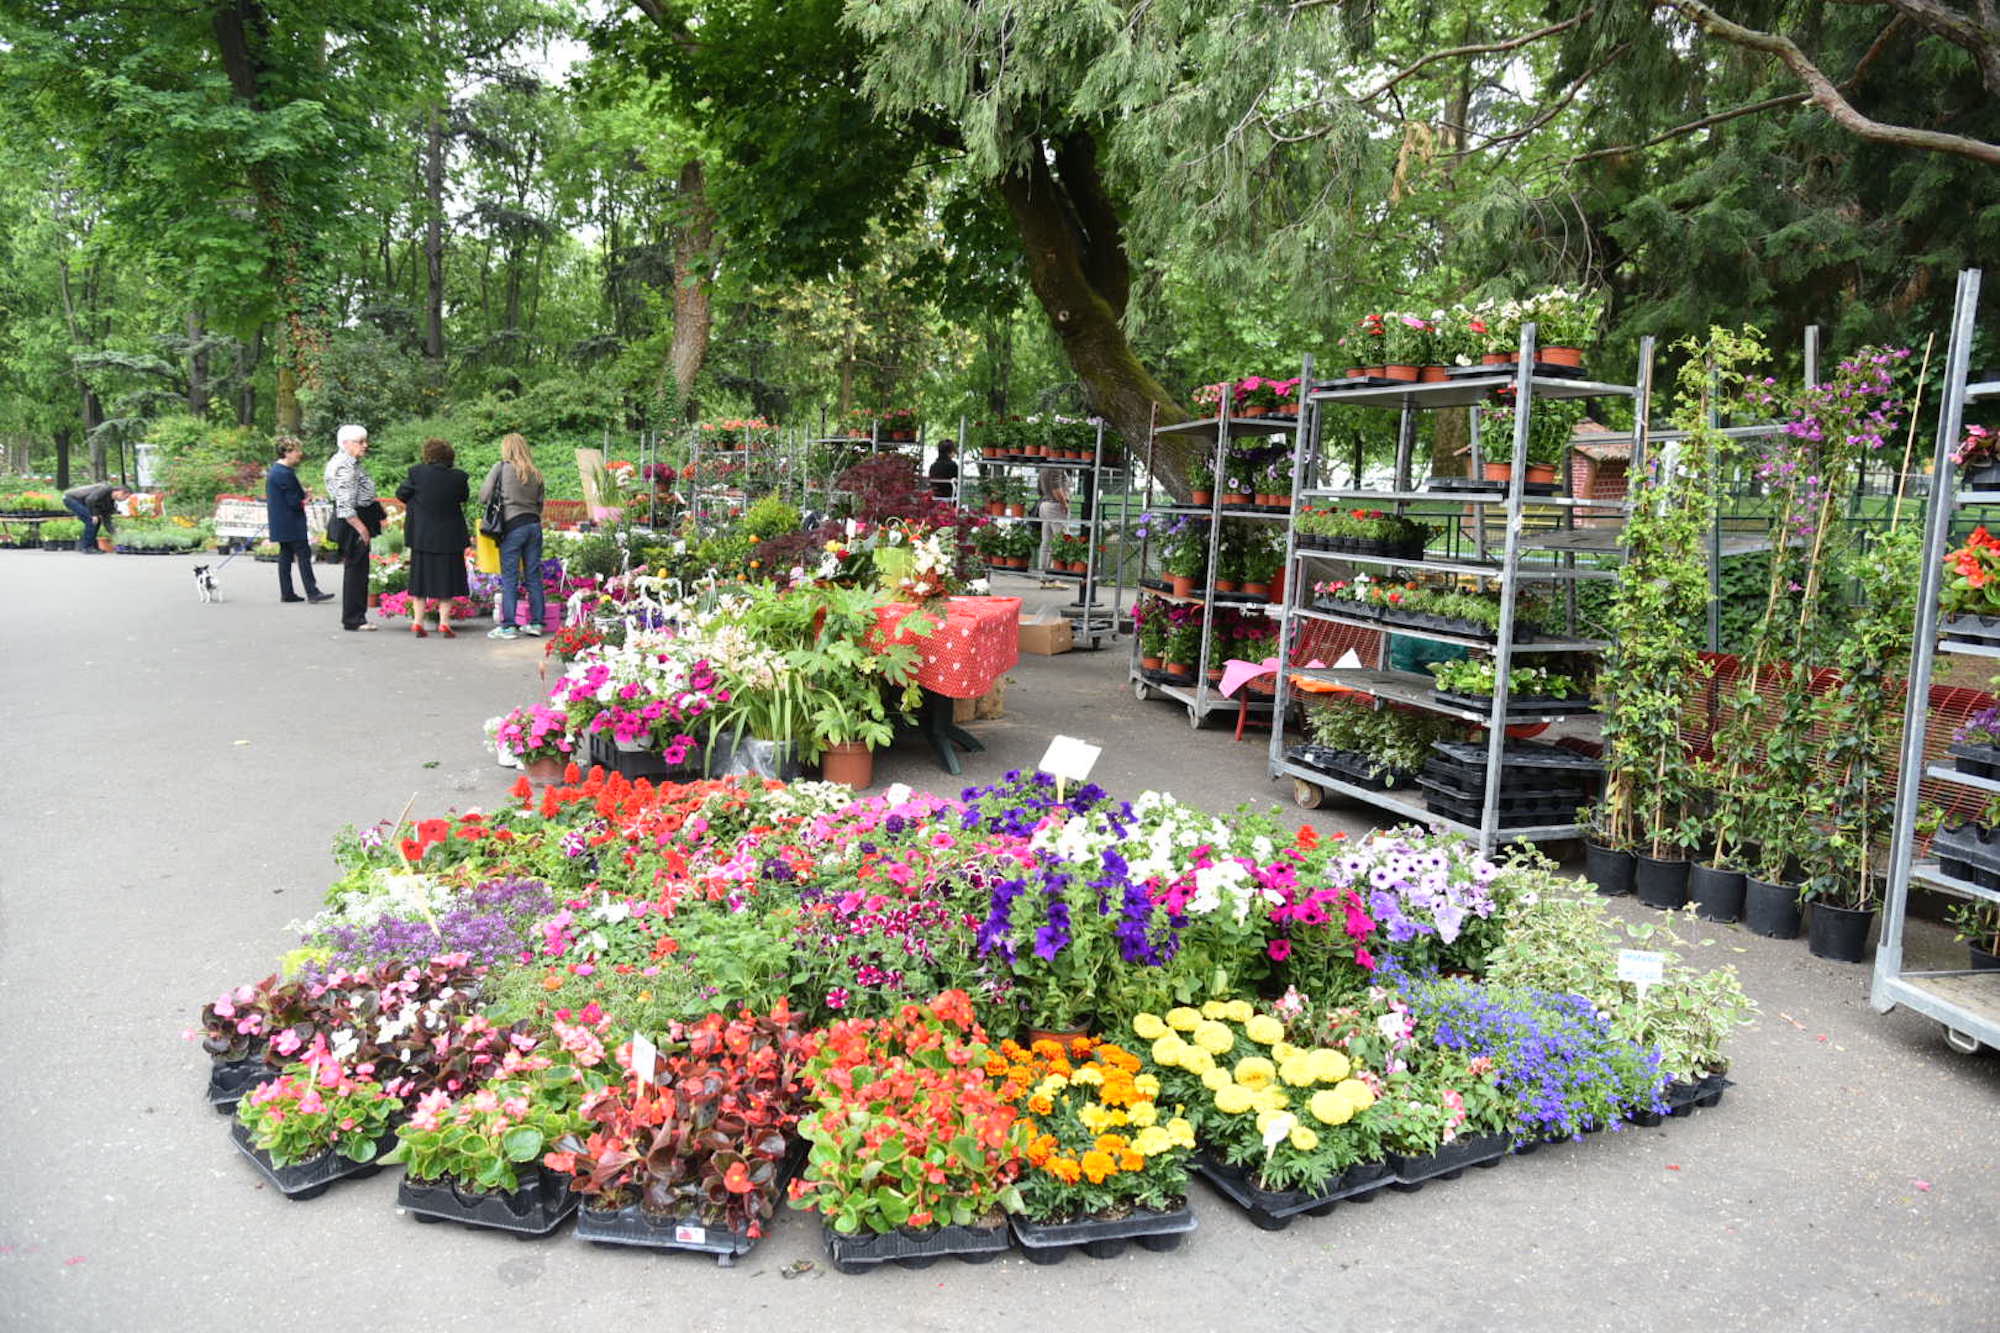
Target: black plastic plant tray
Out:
[1520,754]
[1450,1161]
[1976,761]
[636,764]
[973,1245]
[1544,805]
[1273,1210]
[1469,780]
[1356,382]
[1472,812]
[1340,606]
[1530,705]
[1350,766]
[543,1203]
[1543,370]
[1053,1242]
[229,1081]
[1961,843]
[1481,486]
[310,1179]
[1971,629]
[1165,677]
[634,1226]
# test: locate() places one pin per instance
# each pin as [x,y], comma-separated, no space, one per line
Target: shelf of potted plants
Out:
[1524,387]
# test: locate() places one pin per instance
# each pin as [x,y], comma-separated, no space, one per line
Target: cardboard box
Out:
[1045,634]
[987,707]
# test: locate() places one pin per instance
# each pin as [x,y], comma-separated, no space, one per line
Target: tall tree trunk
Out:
[695,259]
[93,417]
[247,357]
[434,145]
[62,438]
[1078,271]
[197,394]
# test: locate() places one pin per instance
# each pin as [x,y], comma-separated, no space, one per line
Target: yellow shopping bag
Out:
[486,555]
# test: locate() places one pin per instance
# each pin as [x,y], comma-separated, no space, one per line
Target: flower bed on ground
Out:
[654,993]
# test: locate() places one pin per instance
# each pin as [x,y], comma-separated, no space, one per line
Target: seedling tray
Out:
[919,1249]
[1273,1210]
[1970,629]
[634,1226]
[310,1179]
[1520,754]
[542,1204]
[1472,812]
[636,764]
[1481,486]
[229,1081]
[1977,761]
[1469,780]
[1349,766]
[1544,805]
[1052,1243]
[1528,705]
[1543,370]
[1449,1162]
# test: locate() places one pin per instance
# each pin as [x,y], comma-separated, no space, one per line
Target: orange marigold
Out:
[1098,1165]
[1065,1169]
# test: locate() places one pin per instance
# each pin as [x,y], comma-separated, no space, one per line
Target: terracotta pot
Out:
[1150,663]
[1541,472]
[1372,372]
[1183,586]
[1495,358]
[1562,356]
[1497,471]
[1214,675]
[851,763]
[1225,585]
[1433,374]
[1257,589]
[544,770]
[995,508]
[1235,498]
[1256,411]
[1200,497]
[374,601]
[1177,669]
[1354,372]
[1016,511]
[1407,374]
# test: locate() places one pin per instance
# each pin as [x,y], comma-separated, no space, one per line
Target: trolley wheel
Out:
[1305,795]
[1194,717]
[1962,1042]
[1141,691]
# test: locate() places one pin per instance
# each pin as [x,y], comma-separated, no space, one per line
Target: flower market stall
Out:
[943,1025]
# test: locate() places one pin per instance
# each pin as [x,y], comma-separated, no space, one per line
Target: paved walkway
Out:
[178,771]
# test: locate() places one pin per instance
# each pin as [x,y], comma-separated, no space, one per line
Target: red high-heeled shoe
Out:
[446,630]
[417,628]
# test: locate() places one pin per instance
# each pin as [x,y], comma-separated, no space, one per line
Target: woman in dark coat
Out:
[435,532]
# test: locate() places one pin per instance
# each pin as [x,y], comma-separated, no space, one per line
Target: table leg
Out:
[943,733]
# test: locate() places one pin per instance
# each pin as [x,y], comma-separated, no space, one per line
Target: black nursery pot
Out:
[1839,933]
[1717,894]
[1659,883]
[1609,871]
[1771,910]
[1983,961]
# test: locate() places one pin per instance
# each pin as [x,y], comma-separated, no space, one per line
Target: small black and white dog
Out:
[204,584]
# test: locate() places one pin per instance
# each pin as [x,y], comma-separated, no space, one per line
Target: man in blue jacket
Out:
[285,509]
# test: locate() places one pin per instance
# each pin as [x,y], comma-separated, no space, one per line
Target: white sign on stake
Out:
[645,1057]
[1642,967]
[1069,759]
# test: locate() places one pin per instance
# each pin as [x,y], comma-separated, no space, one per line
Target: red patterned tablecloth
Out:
[976,643]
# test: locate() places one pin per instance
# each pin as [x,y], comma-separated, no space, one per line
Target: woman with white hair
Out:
[357,517]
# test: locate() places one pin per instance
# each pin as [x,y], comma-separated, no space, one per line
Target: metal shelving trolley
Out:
[1201,696]
[1090,513]
[1545,550]
[1966,1002]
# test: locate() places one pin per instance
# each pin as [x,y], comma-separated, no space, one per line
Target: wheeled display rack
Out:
[1093,622]
[1524,557]
[1966,1002]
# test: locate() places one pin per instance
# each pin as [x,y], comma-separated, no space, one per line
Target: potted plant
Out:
[1106,1164]
[1970,596]
[853,670]
[1550,430]
[313,1124]
[1977,926]
[1405,346]
[1182,649]
[1151,615]
[1565,324]
[1260,563]
[1977,459]
[881,1091]
[539,738]
[1256,396]
[1201,482]
[1184,553]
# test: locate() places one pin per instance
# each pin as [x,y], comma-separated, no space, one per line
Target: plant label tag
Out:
[688,1235]
[645,1057]
[1642,967]
[1069,759]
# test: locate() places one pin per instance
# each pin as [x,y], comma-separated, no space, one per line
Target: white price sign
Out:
[1642,967]
[645,1057]
[1069,759]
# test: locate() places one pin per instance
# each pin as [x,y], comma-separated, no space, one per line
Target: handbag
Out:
[493,517]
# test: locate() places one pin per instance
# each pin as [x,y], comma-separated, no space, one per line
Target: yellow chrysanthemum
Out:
[1305,1140]
[1356,1092]
[1213,1038]
[1296,1071]
[1093,1117]
[1232,1100]
[1195,1060]
[1263,1029]
[1330,1108]
[1143,1113]
[1051,1085]
[1238,1011]
[1183,1019]
[1216,1079]
[1181,1130]
[1272,1099]
[1152,1141]
[1148,1085]
[1150,1027]
[1167,1050]
[1255,1072]
[1330,1066]
[1090,1074]
[1282,1051]
[1214,1009]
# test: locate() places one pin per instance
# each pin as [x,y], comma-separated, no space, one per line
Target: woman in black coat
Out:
[435,532]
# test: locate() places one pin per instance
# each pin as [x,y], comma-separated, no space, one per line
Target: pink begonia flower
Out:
[286,1042]
[310,1104]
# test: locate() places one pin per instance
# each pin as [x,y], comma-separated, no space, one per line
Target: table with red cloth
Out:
[974,641]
